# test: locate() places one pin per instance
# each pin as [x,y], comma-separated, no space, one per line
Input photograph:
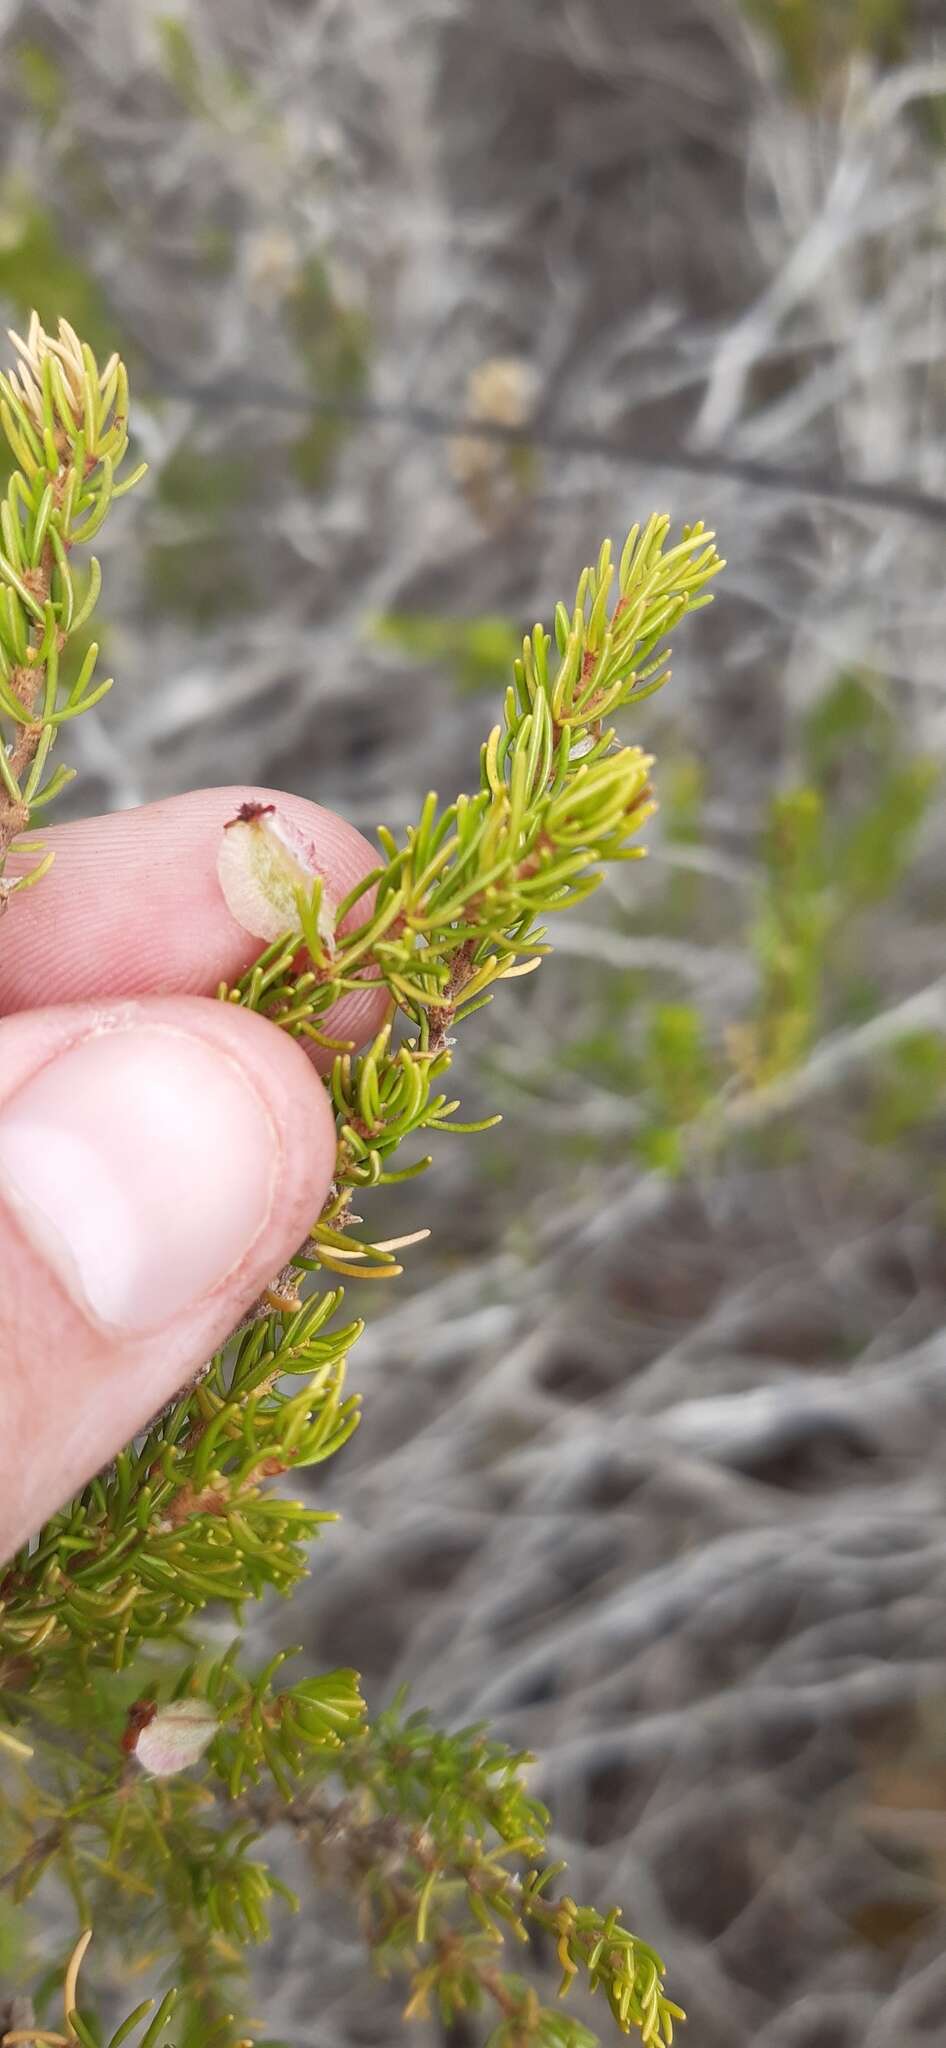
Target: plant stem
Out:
[26,682]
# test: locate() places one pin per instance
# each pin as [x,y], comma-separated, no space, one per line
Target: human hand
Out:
[162,1154]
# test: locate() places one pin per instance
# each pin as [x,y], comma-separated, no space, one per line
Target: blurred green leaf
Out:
[37,270]
[179,60]
[908,1087]
[209,485]
[332,341]
[875,852]
[814,37]
[851,711]
[683,791]
[43,81]
[479,652]
[676,1062]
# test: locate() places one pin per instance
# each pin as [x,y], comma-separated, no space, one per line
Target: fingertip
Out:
[133,907]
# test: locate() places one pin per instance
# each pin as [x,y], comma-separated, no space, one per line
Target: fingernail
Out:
[142,1165]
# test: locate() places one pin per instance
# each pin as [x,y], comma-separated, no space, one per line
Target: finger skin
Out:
[71,1393]
[132,907]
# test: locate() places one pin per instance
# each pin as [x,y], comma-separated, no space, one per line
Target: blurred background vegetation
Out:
[417,304]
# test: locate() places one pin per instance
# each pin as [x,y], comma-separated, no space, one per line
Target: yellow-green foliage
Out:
[833,848]
[445,1852]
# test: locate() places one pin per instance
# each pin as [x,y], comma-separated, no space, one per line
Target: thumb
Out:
[159,1161]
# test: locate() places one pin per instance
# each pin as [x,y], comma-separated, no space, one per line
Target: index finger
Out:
[132,906]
